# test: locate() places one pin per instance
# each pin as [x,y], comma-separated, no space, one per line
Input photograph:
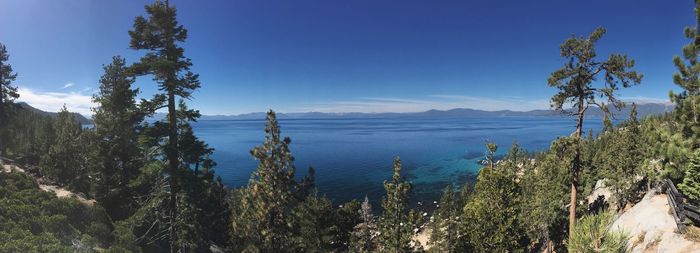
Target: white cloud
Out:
[68,85]
[53,101]
[438,102]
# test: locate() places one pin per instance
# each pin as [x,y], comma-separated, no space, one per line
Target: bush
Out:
[32,220]
[591,235]
[691,182]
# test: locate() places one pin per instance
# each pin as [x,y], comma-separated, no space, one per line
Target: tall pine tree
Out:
[687,102]
[263,219]
[117,159]
[445,225]
[8,93]
[396,224]
[181,200]
[61,163]
[575,84]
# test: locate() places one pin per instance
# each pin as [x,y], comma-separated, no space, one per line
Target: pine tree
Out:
[491,149]
[362,239]
[688,78]
[491,218]
[117,121]
[187,203]
[574,82]
[61,162]
[607,123]
[464,194]
[263,216]
[444,230]
[347,216]
[691,183]
[8,93]
[314,217]
[620,158]
[396,224]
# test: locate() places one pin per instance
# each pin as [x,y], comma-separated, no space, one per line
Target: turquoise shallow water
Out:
[353,157]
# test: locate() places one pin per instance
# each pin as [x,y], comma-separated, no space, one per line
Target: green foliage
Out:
[263,218]
[361,240]
[666,147]
[29,136]
[8,94]
[575,84]
[491,149]
[397,223]
[186,206]
[688,79]
[574,79]
[691,183]
[347,216]
[491,217]
[592,235]
[619,160]
[62,162]
[446,223]
[545,185]
[32,220]
[116,160]
[314,217]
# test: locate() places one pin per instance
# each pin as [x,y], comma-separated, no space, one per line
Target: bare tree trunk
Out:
[576,165]
[2,116]
[172,168]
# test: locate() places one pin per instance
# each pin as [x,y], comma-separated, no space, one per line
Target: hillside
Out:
[79,117]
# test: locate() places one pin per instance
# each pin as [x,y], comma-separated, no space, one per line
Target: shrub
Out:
[591,235]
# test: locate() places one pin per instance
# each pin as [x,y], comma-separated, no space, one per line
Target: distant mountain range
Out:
[594,112]
[79,117]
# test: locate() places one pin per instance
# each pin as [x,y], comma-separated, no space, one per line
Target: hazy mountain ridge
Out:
[79,117]
[594,112]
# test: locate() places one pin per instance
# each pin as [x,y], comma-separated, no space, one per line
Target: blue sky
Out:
[341,56]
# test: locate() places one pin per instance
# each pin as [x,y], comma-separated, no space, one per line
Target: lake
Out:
[353,157]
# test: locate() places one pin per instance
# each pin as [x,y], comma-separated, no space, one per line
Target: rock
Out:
[652,228]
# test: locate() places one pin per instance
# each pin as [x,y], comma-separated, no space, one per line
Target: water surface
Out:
[353,157]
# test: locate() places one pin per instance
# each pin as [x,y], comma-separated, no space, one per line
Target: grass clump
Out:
[591,235]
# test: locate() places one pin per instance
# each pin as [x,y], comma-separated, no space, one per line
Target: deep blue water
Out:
[353,157]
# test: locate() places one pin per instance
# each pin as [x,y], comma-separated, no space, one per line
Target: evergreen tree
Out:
[607,123]
[315,218]
[117,121]
[396,224]
[545,191]
[491,219]
[61,162]
[185,191]
[444,231]
[574,82]
[8,93]
[158,35]
[620,158]
[491,149]
[688,78]
[465,194]
[362,240]
[347,217]
[263,218]
[691,183]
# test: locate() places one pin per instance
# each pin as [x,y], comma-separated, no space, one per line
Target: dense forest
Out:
[155,188]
